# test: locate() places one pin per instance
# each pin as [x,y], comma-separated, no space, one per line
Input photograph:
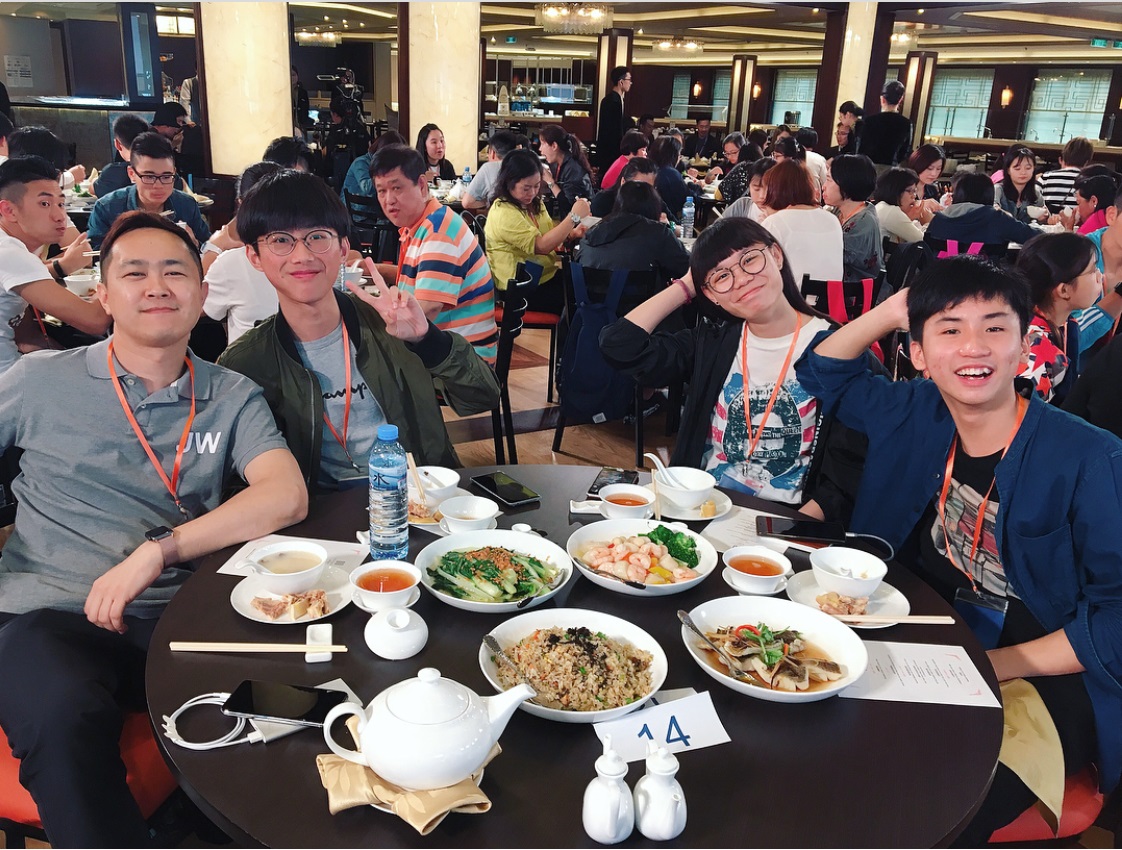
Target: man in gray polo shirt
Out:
[128,439]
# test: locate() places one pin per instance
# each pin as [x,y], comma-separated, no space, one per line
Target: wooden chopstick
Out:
[205,646]
[417,477]
[92,254]
[657,496]
[921,619]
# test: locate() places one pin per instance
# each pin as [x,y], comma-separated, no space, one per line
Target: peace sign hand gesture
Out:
[403,316]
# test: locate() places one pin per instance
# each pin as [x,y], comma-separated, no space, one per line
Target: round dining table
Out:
[833,773]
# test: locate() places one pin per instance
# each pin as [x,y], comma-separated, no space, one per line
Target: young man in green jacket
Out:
[333,366]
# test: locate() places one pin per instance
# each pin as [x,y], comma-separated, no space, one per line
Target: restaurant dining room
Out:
[697,360]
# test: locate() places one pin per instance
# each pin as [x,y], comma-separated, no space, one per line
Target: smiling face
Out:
[151,287]
[703,125]
[972,352]
[402,200]
[754,297]
[302,276]
[434,146]
[39,213]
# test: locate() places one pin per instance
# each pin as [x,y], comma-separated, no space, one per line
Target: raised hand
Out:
[403,316]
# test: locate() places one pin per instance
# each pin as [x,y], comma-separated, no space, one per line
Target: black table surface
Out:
[834,773]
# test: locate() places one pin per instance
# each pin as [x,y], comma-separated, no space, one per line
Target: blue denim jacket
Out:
[1058,525]
[107,210]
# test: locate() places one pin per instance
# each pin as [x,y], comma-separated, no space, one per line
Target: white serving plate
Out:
[517,541]
[335,582]
[604,531]
[515,629]
[835,638]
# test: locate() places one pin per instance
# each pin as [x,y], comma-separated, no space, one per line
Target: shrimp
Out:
[685,574]
[636,573]
[640,559]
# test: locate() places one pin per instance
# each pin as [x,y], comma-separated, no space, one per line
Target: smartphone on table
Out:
[611,475]
[803,530]
[507,490]
[297,705]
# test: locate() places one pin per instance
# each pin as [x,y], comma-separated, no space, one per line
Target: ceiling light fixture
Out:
[1006,97]
[319,39]
[574,18]
[681,45]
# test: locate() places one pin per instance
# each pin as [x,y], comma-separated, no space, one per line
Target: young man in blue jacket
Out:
[1044,564]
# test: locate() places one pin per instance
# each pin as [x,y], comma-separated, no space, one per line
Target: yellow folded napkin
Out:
[1030,747]
[349,785]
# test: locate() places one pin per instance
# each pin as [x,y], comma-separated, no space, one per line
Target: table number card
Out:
[680,725]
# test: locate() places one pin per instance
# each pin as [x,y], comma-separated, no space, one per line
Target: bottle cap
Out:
[611,763]
[387,432]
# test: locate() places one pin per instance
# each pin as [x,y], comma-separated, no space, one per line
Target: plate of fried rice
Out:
[587,666]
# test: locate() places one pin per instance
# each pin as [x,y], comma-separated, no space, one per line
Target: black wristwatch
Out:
[1118,288]
[164,537]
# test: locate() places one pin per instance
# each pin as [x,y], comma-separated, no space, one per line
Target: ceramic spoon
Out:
[667,477]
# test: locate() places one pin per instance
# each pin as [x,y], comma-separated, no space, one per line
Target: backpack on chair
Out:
[590,389]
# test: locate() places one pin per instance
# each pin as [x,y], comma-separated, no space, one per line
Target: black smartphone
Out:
[281,703]
[800,529]
[507,490]
[612,475]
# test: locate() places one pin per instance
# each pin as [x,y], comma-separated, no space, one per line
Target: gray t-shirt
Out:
[482,185]
[87,491]
[323,357]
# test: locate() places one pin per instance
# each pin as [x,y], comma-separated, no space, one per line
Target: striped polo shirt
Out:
[441,261]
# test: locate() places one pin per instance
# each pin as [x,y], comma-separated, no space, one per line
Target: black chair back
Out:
[995,251]
[842,301]
[371,232]
[515,300]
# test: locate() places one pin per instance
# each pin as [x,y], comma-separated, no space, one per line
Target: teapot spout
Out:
[501,706]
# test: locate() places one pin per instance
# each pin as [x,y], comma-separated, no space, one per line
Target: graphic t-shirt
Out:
[1047,365]
[324,358]
[776,470]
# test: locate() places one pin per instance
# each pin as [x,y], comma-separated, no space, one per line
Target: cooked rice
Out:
[578,670]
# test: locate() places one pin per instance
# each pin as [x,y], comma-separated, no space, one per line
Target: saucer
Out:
[775,592]
[670,510]
[334,581]
[647,515]
[408,604]
[443,526]
[886,601]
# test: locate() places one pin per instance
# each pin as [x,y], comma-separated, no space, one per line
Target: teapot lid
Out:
[662,762]
[428,699]
[611,764]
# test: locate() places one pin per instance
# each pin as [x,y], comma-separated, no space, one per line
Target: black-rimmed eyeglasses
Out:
[153,179]
[316,241]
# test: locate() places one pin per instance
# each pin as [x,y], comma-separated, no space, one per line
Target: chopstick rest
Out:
[318,634]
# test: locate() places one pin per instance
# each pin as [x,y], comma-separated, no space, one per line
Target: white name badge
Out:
[680,725]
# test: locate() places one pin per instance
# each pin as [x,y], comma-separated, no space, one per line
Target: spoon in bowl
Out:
[663,472]
[493,645]
[734,671]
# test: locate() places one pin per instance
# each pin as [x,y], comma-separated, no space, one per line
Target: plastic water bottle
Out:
[687,218]
[467,174]
[389,500]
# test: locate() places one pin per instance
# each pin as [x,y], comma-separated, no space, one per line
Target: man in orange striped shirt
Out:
[440,262]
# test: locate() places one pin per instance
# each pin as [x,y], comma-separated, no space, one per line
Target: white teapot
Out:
[428,732]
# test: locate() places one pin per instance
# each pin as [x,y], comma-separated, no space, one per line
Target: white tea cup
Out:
[756,569]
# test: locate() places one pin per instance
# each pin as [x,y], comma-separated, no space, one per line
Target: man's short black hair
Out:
[252,174]
[16,173]
[618,73]
[38,141]
[289,152]
[127,127]
[807,137]
[290,200]
[645,117]
[391,157]
[893,92]
[637,165]
[639,199]
[701,118]
[141,220]
[947,283]
[151,145]
[972,188]
[855,175]
[503,142]
[6,126]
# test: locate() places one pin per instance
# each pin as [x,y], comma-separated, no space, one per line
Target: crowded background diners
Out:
[617,410]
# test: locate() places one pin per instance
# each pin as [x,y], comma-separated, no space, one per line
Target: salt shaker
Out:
[660,804]
[608,814]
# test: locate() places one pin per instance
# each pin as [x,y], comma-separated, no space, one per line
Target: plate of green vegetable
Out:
[493,571]
[617,554]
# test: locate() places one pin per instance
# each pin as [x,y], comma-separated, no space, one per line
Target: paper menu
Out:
[921,672]
[738,528]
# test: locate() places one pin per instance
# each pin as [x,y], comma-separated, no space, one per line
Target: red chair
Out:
[843,301]
[1082,804]
[148,778]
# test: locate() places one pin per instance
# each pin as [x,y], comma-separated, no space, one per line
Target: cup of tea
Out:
[381,585]
[626,501]
[288,566]
[468,513]
[756,569]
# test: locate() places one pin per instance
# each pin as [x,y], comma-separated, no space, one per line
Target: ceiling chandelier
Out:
[319,39]
[573,18]
[686,45]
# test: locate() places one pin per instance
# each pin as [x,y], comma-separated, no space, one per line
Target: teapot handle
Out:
[333,715]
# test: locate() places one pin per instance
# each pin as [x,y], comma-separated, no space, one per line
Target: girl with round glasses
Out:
[746,418]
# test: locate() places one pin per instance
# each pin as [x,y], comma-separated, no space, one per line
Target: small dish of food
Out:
[493,571]
[586,666]
[663,557]
[790,653]
[886,600]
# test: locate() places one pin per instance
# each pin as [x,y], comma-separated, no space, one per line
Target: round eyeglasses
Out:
[316,241]
[751,262]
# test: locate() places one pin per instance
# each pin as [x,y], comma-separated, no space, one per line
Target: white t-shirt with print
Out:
[777,469]
[18,267]
[238,293]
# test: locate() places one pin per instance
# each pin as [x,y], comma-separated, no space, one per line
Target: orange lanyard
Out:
[342,441]
[171,483]
[1022,406]
[533,218]
[754,439]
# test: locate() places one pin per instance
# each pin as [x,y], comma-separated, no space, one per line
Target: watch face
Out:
[157,532]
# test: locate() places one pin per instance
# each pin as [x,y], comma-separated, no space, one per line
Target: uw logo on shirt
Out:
[207,442]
